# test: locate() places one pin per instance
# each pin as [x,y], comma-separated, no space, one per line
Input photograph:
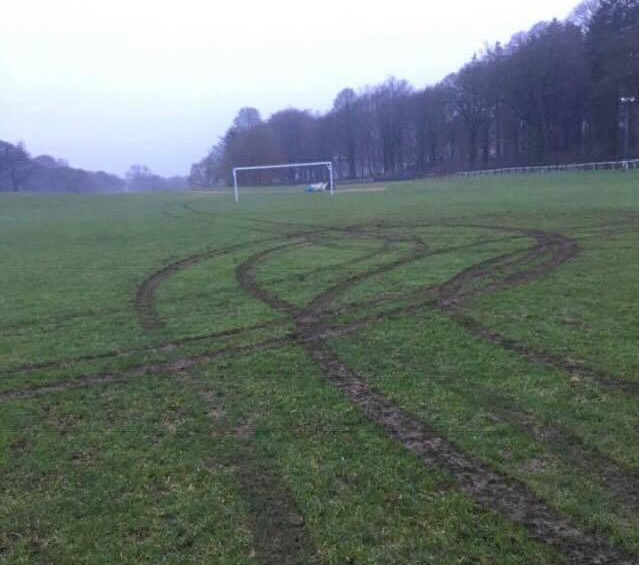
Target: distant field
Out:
[441,372]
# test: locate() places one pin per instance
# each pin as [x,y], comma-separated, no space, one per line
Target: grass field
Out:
[441,372]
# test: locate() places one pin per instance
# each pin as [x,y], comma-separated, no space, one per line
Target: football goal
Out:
[317,187]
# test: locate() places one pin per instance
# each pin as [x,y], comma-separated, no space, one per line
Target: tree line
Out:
[20,172]
[564,91]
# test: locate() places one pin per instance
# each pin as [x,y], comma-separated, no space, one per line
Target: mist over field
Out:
[161,99]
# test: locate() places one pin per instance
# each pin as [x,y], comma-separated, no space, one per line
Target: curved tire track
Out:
[144,300]
[489,488]
[147,369]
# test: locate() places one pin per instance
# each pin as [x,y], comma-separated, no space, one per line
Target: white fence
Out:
[602,166]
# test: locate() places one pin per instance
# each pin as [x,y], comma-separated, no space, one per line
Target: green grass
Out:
[182,466]
[465,388]
[116,476]
[587,311]
[206,298]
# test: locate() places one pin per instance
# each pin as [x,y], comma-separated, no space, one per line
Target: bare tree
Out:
[246,119]
[582,15]
[344,112]
[139,178]
[550,95]
[15,164]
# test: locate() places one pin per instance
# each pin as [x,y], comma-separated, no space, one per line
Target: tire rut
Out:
[24,370]
[490,489]
[562,442]
[280,536]
[146,369]
[574,368]
[144,300]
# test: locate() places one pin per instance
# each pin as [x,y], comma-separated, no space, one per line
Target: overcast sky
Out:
[112,82]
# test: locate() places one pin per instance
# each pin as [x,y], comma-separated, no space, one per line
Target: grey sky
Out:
[109,83]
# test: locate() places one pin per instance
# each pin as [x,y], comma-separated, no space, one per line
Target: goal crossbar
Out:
[327,164]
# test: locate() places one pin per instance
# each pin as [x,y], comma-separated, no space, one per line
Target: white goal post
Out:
[327,164]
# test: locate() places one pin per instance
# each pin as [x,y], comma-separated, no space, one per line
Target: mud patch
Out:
[279,530]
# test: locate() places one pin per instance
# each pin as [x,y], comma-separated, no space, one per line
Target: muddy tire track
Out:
[29,369]
[145,295]
[568,446]
[245,275]
[145,306]
[550,252]
[170,369]
[418,297]
[346,264]
[489,488]
[600,378]
[562,442]
[144,300]
[280,536]
[315,310]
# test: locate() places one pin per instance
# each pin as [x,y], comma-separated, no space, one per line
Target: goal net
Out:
[315,173]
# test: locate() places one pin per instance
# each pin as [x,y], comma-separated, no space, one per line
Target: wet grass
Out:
[253,457]
[500,408]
